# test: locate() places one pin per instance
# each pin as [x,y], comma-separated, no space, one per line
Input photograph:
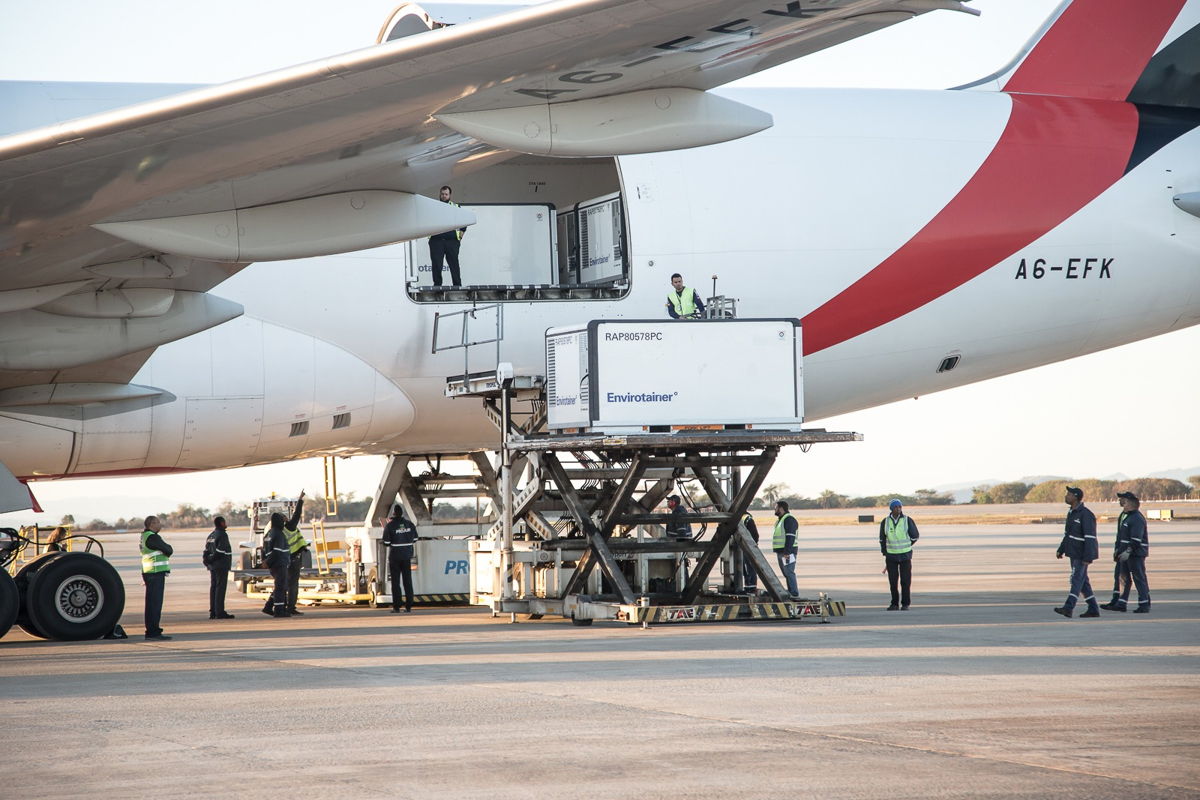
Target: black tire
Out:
[583,623]
[76,597]
[10,602]
[22,580]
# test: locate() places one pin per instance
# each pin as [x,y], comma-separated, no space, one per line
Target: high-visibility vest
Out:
[153,560]
[295,541]
[779,540]
[684,303]
[896,534]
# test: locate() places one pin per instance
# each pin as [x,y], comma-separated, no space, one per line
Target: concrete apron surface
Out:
[979,690]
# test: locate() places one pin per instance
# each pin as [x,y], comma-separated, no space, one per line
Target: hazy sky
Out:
[1131,410]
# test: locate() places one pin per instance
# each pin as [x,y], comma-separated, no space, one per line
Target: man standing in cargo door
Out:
[445,246]
[682,301]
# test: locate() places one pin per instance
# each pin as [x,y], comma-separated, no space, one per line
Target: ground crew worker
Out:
[446,245]
[783,542]
[749,574]
[1132,547]
[297,545]
[1080,545]
[897,532]
[218,558]
[278,556]
[399,537]
[682,301]
[55,543]
[156,566]
[677,526]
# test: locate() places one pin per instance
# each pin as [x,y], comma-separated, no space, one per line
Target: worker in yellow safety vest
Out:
[156,566]
[897,533]
[297,545]
[682,301]
[784,544]
[277,554]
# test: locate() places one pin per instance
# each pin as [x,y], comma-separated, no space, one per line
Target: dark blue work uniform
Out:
[1133,536]
[218,557]
[399,537]
[1080,545]
[749,576]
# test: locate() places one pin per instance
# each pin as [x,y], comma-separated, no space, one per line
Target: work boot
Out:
[1066,612]
[268,612]
[225,616]
[159,637]
[295,613]
[1091,612]
[893,607]
[1113,606]
[904,608]
[1141,610]
[395,609]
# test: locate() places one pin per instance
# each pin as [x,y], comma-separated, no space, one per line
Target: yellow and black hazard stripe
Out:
[701,613]
[444,599]
[771,611]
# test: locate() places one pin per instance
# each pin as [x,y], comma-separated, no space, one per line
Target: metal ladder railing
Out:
[466,334]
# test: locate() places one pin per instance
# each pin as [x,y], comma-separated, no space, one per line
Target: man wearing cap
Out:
[783,543]
[1133,545]
[897,533]
[677,526]
[1080,545]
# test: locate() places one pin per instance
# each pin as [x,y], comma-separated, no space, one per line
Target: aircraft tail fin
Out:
[1145,52]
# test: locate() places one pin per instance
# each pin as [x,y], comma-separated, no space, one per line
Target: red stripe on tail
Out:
[1096,50]
[1055,156]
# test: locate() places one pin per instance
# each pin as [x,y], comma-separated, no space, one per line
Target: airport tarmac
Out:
[979,691]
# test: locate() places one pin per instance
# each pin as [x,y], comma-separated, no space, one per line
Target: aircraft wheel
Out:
[10,602]
[22,580]
[78,596]
[583,623]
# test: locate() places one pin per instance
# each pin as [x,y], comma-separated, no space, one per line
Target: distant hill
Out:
[1177,474]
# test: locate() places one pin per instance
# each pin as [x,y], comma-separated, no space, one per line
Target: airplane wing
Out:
[121,221]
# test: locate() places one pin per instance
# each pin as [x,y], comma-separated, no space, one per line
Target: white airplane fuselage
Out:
[865,213]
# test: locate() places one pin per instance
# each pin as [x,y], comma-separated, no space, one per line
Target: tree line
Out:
[354,509]
[1093,489]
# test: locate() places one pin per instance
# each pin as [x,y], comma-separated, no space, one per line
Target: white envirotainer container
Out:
[621,376]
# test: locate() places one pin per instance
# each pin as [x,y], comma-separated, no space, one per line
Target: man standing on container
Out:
[399,537]
[897,533]
[278,556]
[682,301]
[218,557]
[784,544]
[1080,545]
[156,566]
[1133,545]
[445,245]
